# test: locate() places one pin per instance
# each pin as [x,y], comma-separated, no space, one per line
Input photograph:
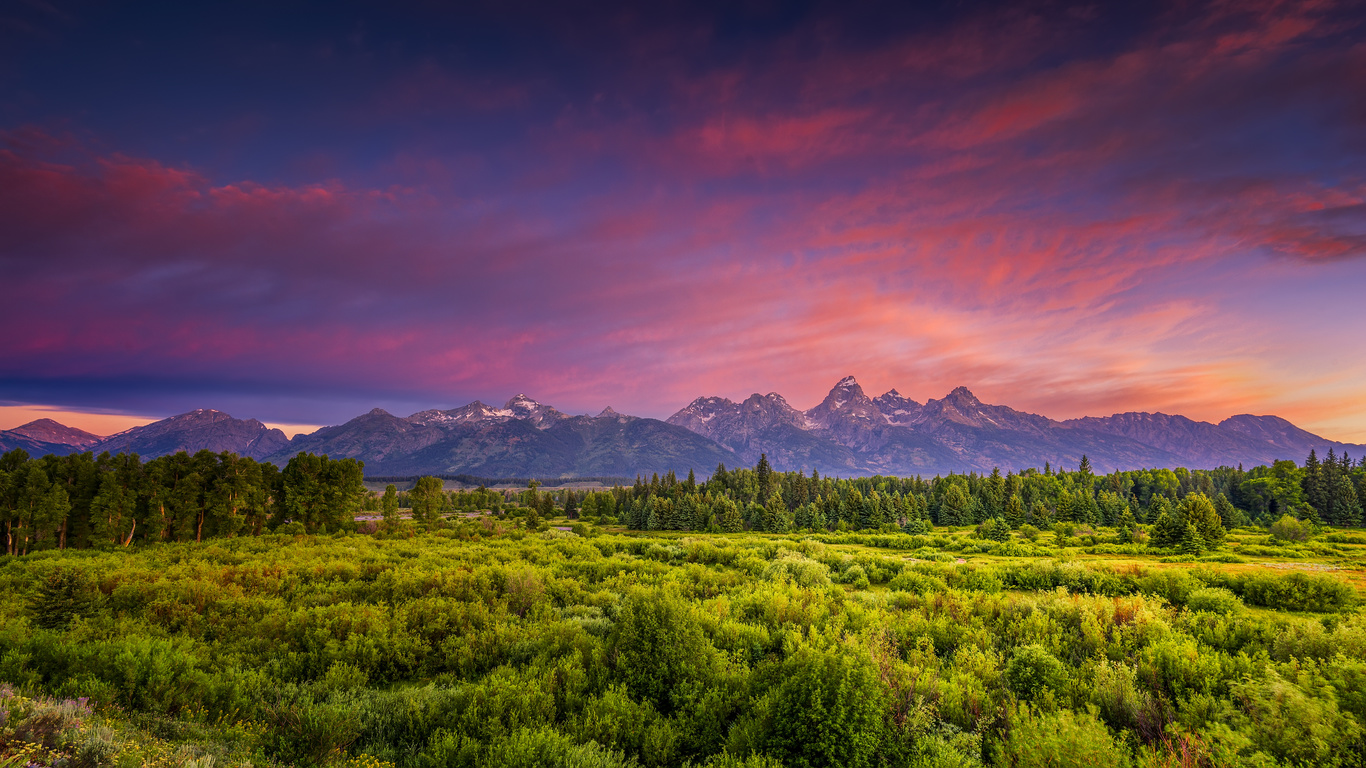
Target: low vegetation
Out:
[532,628]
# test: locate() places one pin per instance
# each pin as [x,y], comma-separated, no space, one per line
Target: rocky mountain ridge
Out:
[848,433]
[851,433]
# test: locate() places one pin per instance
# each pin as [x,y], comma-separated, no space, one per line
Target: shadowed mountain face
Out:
[848,433]
[522,439]
[196,431]
[46,436]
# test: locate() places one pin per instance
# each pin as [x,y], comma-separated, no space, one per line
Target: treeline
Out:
[1168,501]
[476,480]
[83,500]
[87,501]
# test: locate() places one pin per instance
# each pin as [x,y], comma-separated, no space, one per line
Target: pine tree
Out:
[775,514]
[1014,512]
[956,507]
[1191,542]
[1196,509]
[1346,503]
[1067,507]
[1229,515]
[995,493]
[1311,481]
[1167,530]
[763,475]
[1128,527]
[728,515]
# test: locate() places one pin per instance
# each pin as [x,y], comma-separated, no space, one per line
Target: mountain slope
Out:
[524,439]
[46,436]
[848,433]
[891,434]
[197,430]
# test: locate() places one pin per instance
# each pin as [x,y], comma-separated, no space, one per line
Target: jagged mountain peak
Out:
[540,415]
[846,401]
[962,394]
[897,409]
[846,390]
[378,412]
[757,400]
[608,413]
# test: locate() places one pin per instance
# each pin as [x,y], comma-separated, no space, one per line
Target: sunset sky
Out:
[1072,209]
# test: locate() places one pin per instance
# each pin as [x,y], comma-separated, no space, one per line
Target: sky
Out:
[297,212]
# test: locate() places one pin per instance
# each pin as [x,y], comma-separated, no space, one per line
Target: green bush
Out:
[1293,719]
[1291,529]
[1062,739]
[1032,672]
[1298,592]
[826,710]
[799,569]
[1214,600]
[64,595]
[914,581]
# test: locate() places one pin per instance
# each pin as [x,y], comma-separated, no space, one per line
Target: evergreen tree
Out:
[1128,527]
[956,508]
[763,475]
[1014,512]
[1167,530]
[1346,503]
[995,495]
[728,515]
[1067,507]
[1191,543]
[1229,515]
[1196,509]
[775,514]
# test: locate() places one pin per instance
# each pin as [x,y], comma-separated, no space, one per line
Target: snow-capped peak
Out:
[847,381]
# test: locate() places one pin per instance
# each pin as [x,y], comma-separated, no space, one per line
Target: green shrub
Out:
[826,710]
[1291,529]
[1293,720]
[799,569]
[1032,671]
[65,594]
[1062,739]
[1214,600]
[1298,592]
[914,581]
[855,576]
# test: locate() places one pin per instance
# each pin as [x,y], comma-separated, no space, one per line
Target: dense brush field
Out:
[487,644]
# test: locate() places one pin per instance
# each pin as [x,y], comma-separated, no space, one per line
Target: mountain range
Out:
[847,434]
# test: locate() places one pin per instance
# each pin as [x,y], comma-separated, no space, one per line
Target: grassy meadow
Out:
[490,642]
